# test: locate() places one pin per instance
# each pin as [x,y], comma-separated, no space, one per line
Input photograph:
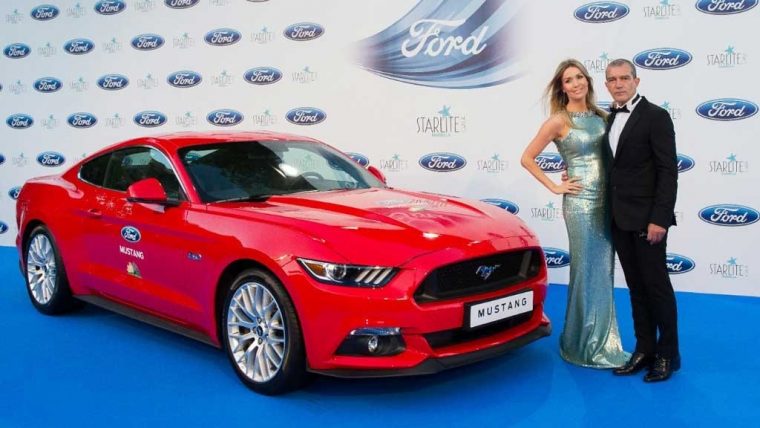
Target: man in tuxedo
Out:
[643,184]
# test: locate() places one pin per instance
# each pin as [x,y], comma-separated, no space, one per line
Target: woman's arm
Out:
[550,130]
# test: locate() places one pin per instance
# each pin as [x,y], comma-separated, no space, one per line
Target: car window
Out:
[94,171]
[130,165]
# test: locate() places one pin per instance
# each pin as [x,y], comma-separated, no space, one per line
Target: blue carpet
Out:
[95,368]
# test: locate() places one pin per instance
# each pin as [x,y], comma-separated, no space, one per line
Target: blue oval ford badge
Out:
[729,215]
[184,79]
[2,159]
[442,162]
[130,234]
[504,204]
[3,227]
[685,163]
[725,7]
[303,31]
[180,4]
[550,162]
[727,109]
[113,82]
[51,159]
[79,46]
[17,50]
[19,121]
[150,119]
[47,84]
[82,120]
[305,116]
[662,58]
[224,117]
[222,37]
[110,7]
[601,12]
[262,75]
[677,263]
[147,42]
[45,12]
[14,191]
[556,258]
[359,158]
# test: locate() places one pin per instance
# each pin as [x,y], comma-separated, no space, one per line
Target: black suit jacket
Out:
[644,174]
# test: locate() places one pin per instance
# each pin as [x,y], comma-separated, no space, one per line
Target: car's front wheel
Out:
[261,334]
[46,279]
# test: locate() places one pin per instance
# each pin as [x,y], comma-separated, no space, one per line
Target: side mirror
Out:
[376,172]
[149,191]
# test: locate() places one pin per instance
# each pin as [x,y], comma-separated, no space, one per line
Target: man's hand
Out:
[655,233]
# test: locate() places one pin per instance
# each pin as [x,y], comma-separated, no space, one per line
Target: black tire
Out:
[265,341]
[51,297]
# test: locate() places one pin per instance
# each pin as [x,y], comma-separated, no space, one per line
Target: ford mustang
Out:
[284,252]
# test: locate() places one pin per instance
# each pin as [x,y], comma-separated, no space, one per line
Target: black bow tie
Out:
[623,109]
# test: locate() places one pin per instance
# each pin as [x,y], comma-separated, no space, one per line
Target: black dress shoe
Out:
[638,361]
[662,369]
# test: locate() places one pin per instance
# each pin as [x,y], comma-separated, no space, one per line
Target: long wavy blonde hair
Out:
[558,98]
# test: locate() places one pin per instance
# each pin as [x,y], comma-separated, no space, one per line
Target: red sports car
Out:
[284,252]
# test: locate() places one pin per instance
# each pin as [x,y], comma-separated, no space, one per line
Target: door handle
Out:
[94,213]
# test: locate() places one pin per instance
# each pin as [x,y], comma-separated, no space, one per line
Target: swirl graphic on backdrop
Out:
[446,44]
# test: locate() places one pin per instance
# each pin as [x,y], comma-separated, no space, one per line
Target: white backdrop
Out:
[391,83]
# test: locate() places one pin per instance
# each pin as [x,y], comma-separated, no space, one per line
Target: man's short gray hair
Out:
[622,61]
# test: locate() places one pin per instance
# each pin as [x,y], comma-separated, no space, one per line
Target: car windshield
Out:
[256,170]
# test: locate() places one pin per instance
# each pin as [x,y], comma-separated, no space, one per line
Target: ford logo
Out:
[147,42]
[184,79]
[13,193]
[113,82]
[150,119]
[442,162]
[727,109]
[729,215]
[110,7]
[180,4]
[662,58]
[19,121]
[303,31]
[725,7]
[82,120]
[3,227]
[222,37]
[677,263]
[601,12]
[130,234]
[359,158]
[2,159]
[556,258]
[262,75]
[224,117]
[306,116]
[504,204]
[17,50]
[685,163]
[47,84]
[45,12]
[50,159]
[79,46]
[550,162]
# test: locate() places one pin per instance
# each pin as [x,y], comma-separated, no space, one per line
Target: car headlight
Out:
[348,275]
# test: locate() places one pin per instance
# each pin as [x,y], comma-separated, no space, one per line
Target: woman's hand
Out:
[571,185]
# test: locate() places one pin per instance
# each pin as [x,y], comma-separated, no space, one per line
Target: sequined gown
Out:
[590,337]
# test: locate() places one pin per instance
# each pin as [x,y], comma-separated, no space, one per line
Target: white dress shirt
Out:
[621,118]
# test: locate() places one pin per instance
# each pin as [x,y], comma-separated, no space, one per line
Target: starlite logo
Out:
[395,164]
[185,120]
[684,162]
[727,109]
[598,64]
[110,7]
[729,215]
[183,42]
[19,121]
[556,258]
[442,162]
[675,113]
[79,46]
[303,31]
[47,84]
[45,12]
[113,82]
[504,204]
[180,4]
[546,213]
[17,50]
[730,269]
[664,9]
[492,165]
[224,117]
[147,42]
[222,79]
[264,119]
[725,7]
[305,76]
[50,159]
[662,58]
[262,37]
[731,165]
[15,17]
[444,124]
[677,264]
[130,234]
[145,5]
[262,75]
[18,88]
[47,50]
[150,119]
[550,162]
[359,158]
[115,121]
[13,192]
[601,12]
[112,46]
[79,85]
[727,58]
[305,116]
[222,37]
[82,120]
[50,122]
[3,227]
[148,82]
[77,11]
[184,79]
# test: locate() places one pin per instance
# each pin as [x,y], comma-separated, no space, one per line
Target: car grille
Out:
[480,275]
[442,339]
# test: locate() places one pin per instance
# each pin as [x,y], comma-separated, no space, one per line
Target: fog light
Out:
[381,341]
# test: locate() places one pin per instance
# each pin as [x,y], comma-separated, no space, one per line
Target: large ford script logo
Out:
[47,84]
[3,227]
[600,12]
[556,258]
[685,163]
[19,121]
[150,119]
[13,192]
[17,50]
[184,79]
[359,158]
[224,117]
[662,58]
[79,46]
[729,215]
[180,4]
[2,159]
[727,109]
[50,159]
[442,162]
[147,42]
[725,7]
[130,234]
[222,37]
[303,31]
[45,12]
[110,7]
[550,162]
[113,82]
[677,263]
[504,204]
[305,116]
[262,75]
[82,120]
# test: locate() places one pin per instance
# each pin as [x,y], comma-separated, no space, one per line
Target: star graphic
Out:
[188,114]
[306,69]
[113,40]
[445,111]
[604,56]
[550,205]
[187,36]
[396,157]
[48,45]
[51,117]
[81,79]
[149,76]
[495,157]
[665,105]
[732,261]
[116,115]
[224,72]
[264,29]
[732,157]
[267,113]
[729,50]
[664,2]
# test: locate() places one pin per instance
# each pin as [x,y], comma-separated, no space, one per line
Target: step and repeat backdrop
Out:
[441,95]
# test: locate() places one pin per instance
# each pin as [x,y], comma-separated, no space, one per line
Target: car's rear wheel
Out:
[46,279]
[261,334]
